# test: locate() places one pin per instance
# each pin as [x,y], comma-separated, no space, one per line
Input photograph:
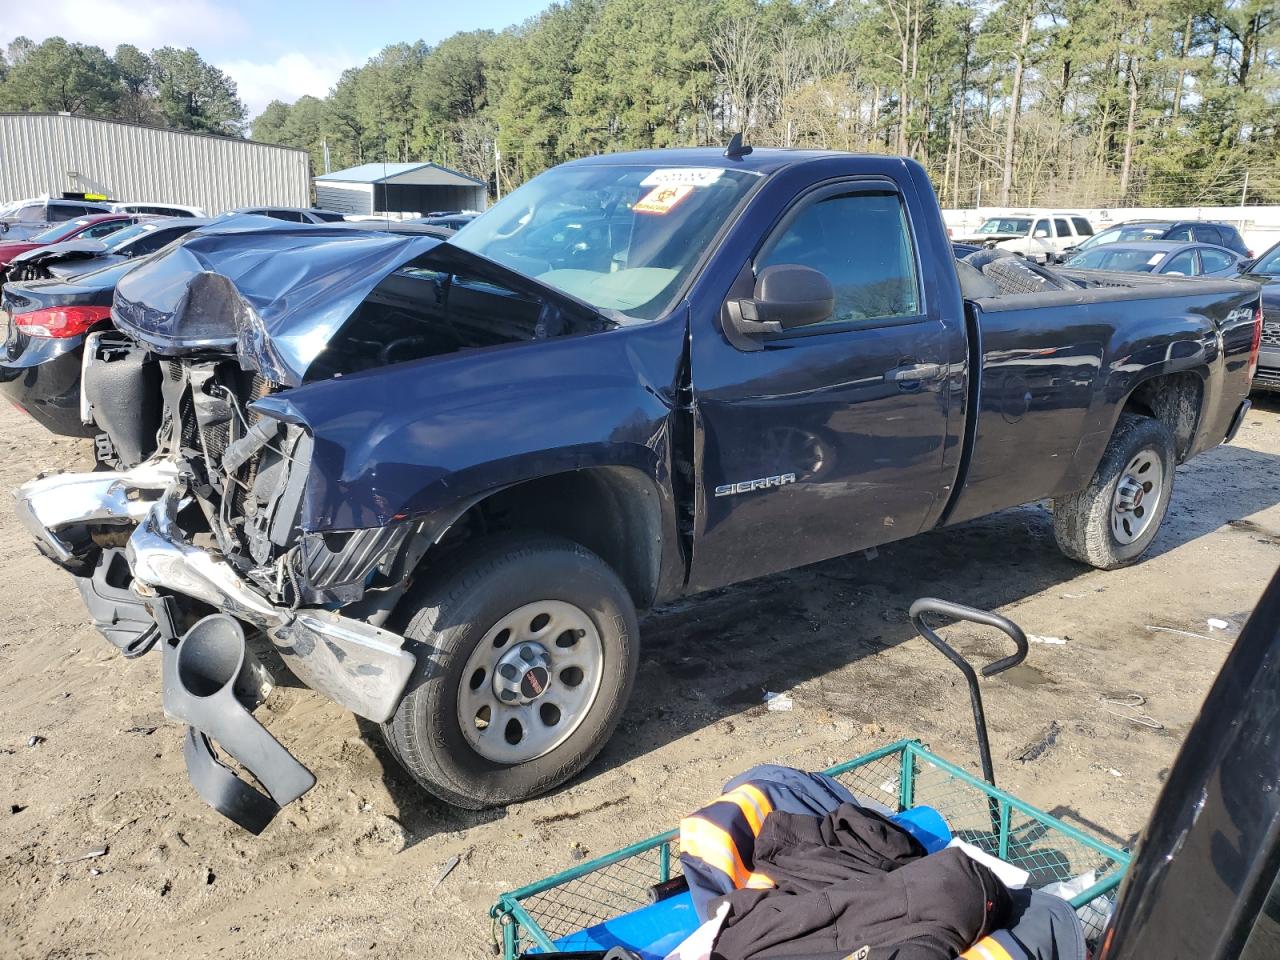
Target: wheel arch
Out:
[617,512]
[1176,399]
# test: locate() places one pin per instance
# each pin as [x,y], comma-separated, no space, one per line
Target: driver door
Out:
[831,437]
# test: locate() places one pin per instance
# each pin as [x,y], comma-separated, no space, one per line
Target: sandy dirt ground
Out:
[351,869]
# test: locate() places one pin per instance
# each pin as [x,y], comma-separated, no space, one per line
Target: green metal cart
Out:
[901,775]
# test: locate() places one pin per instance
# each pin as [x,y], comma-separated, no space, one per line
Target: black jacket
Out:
[853,883]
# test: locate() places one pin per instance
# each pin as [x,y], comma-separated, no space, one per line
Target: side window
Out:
[150,243]
[1215,260]
[1082,226]
[861,242]
[103,229]
[1207,233]
[61,212]
[1062,227]
[1041,229]
[33,212]
[1182,232]
[291,215]
[1184,263]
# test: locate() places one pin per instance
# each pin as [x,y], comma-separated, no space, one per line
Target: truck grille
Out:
[1271,332]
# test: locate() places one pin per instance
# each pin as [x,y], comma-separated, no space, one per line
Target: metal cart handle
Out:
[957,611]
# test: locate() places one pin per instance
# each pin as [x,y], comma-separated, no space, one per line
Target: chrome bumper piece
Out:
[362,667]
[57,508]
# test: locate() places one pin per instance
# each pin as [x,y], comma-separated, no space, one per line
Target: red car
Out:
[86,228]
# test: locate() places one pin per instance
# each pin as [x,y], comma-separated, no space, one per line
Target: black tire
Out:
[449,615]
[1082,521]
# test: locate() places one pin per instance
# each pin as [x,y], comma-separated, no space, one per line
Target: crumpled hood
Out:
[57,251]
[274,292]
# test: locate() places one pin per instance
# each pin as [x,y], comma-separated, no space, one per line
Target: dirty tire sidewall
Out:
[1082,521]
[450,614]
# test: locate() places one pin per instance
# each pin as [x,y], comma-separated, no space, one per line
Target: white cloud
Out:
[286,78]
[107,23]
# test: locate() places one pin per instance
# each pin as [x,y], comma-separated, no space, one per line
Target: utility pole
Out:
[1244,192]
[497,169]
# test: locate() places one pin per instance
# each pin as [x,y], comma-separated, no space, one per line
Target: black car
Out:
[1265,270]
[48,322]
[1197,231]
[63,261]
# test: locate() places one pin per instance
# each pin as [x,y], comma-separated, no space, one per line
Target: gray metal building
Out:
[399,188]
[44,153]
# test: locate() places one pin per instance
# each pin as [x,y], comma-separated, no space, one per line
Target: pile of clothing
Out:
[788,864]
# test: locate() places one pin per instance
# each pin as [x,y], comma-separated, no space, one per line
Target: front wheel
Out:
[1112,521]
[527,651]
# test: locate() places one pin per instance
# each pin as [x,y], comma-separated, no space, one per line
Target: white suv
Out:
[1040,237]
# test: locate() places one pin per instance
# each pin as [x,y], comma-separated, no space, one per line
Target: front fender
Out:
[418,439]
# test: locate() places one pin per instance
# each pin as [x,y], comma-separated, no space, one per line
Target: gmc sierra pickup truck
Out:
[439,479]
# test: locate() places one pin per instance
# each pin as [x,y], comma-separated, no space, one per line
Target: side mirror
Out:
[1244,266]
[787,295]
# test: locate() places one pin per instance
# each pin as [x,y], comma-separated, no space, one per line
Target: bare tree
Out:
[739,55]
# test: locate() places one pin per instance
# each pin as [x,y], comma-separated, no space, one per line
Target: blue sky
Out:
[273,49]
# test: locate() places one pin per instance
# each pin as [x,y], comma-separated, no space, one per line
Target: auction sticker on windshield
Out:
[662,200]
[682,176]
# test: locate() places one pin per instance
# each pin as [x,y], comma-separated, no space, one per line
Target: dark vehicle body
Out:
[84,229]
[32,216]
[1265,270]
[455,221]
[41,374]
[71,258]
[1189,231]
[714,367]
[1160,257]
[289,214]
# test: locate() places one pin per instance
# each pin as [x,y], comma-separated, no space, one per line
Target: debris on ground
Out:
[1039,744]
[778,702]
[87,855]
[1156,628]
[1056,641]
[1216,623]
[447,869]
[35,740]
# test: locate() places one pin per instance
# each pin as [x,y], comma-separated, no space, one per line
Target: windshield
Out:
[1127,259]
[121,237]
[1268,263]
[621,238]
[59,231]
[1006,225]
[1125,234]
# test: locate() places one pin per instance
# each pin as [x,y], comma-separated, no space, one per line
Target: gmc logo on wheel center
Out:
[746,486]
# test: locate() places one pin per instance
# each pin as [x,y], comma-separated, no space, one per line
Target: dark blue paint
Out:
[1028,393]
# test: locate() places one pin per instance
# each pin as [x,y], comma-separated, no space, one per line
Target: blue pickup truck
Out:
[441,478]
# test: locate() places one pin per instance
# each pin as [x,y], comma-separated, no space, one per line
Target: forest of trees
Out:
[1072,102]
[166,87]
[1097,102]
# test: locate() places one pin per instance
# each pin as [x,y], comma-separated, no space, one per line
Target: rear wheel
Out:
[527,651]
[1112,521]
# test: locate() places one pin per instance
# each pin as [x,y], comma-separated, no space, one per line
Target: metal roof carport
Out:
[399,188]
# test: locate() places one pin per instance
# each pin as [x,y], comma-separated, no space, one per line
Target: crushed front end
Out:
[194,547]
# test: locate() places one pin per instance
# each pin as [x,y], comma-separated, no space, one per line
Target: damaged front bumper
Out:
[212,681]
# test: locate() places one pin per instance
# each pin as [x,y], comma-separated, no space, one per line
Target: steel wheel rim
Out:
[1137,498]
[530,682]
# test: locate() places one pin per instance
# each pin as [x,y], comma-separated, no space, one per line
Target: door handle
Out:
[914,373]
